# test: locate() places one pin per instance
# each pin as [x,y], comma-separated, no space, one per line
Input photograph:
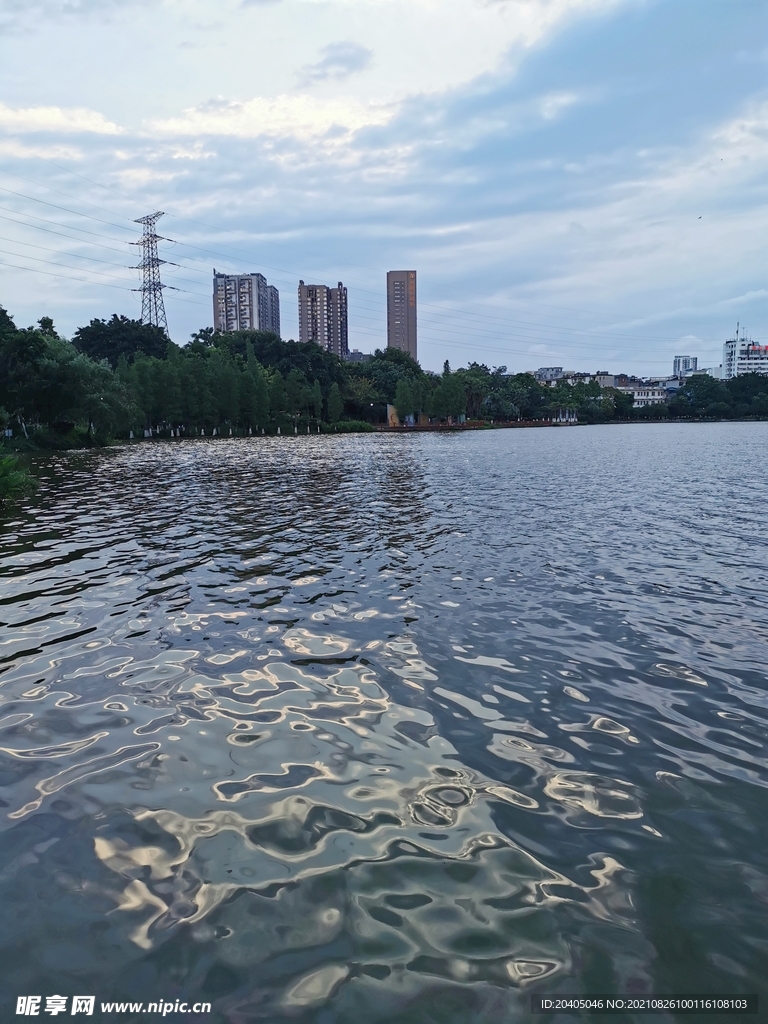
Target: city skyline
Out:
[579,182]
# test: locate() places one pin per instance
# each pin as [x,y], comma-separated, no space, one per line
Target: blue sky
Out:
[578,182]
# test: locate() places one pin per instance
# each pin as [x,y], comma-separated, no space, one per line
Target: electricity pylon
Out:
[152,305]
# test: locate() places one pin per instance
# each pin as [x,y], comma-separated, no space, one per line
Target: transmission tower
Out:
[152,305]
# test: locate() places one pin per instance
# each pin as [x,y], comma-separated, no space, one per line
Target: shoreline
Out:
[28,447]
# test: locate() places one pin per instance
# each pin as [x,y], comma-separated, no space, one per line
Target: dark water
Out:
[388,728]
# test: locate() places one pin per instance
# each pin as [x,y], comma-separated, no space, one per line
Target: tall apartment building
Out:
[245,302]
[401,311]
[338,328]
[681,365]
[323,317]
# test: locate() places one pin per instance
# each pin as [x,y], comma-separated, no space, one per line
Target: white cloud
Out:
[55,119]
[303,117]
[19,151]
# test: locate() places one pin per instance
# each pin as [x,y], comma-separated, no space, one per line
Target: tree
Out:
[383,372]
[261,395]
[448,398]
[278,399]
[45,326]
[21,356]
[296,391]
[317,399]
[7,326]
[477,382]
[335,404]
[109,340]
[702,395]
[404,398]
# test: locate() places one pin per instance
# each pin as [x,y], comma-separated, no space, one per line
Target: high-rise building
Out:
[338,326]
[401,311]
[741,355]
[245,302]
[682,365]
[323,317]
[313,313]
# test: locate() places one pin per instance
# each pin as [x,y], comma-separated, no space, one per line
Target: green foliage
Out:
[348,427]
[704,397]
[449,400]
[278,396]
[111,339]
[14,480]
[373,384]
[404,399]
[335,404]
[121,376]
[317,400]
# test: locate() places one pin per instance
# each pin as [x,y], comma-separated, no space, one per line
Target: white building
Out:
[729,357]
[245,302]
[646,394]
[683,365]
[741,355]
[752,358]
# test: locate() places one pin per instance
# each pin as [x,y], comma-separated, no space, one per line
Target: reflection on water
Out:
[402,727]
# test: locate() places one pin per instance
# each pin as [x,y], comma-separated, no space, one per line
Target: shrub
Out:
[14,480]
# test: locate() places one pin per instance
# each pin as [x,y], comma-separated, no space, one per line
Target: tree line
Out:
[119,376]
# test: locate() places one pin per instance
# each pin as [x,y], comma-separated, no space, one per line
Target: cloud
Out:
[19,151]
[55,119]
[339,60]
[302,117]
[18,14]
[522,168]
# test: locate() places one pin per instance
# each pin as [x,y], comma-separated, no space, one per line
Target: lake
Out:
[388,728]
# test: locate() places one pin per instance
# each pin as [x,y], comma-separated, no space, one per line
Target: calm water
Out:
[388,729]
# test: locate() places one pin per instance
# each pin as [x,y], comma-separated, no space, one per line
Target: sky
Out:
[578,183]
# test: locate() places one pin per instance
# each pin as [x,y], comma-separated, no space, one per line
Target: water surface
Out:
[385,728]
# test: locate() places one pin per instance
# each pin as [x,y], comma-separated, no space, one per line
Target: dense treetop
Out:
[119,375]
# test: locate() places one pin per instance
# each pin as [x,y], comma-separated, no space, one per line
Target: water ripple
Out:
[396,727]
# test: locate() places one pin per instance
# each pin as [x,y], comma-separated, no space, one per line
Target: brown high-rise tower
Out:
[401,311]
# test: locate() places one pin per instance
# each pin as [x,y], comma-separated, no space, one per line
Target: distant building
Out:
[752,358]
[338,327]
[323,317]
[313,313]
[682,365]
[545,374]
[729,357]
[646,394]
[358,357]
[741,355]
[245,302]
[605,379]
[401,311]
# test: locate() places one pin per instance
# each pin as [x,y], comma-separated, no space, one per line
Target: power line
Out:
[546,333]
